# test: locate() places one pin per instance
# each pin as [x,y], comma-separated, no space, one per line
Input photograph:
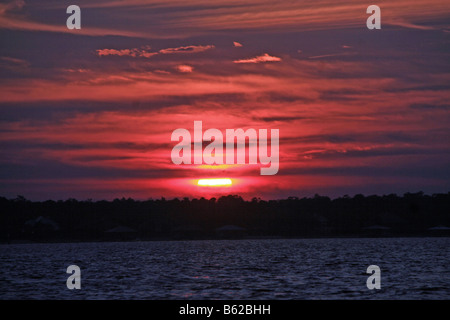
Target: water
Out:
[411,268]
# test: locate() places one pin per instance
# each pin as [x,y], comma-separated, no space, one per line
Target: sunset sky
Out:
[89,113]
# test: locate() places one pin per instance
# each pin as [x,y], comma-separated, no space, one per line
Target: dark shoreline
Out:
[26,241]
[228,217]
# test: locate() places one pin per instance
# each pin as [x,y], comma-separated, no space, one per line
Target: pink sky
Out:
[90,116]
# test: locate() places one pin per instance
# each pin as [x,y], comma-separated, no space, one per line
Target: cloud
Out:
[14,65]
[15,61]
[99,118]
[280,118]
[12,18]
[135,52]
[424,106]
[20,24]
[187,49]
[264,58]
[332,55]
[178,19]
[13,24]
[113,52]
[77,70]
[184,68]
[237,44]
[129,85]
[16,5]
[145,53]
[410,25]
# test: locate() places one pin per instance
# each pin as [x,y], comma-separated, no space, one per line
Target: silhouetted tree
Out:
[411,214]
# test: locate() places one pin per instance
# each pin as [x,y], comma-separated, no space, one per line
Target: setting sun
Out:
[214,182]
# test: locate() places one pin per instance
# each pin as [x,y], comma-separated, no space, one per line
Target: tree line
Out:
[74,220]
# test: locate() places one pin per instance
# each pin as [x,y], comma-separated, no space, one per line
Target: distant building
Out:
[40,226]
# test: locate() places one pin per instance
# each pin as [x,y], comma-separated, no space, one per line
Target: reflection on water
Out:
[411,268]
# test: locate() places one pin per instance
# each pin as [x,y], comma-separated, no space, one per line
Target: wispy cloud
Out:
[18,66]
[135,52]
[11,6]
[175,19]
[12,18]
[187,49]
[332,55]
[145,52]
[258,59]
[15,61]
[410,25]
